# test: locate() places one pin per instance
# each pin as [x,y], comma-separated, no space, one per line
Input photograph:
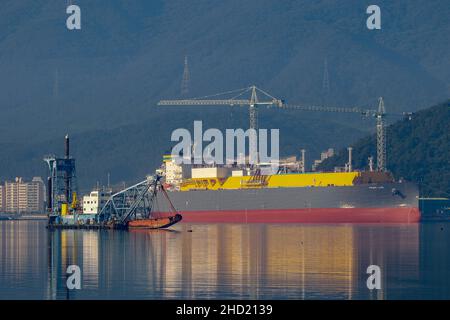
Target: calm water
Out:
[226,261]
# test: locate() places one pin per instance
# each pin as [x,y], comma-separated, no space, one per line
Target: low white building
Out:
[94,202]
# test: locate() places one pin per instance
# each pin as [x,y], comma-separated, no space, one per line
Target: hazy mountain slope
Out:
[129,54]
[417,150]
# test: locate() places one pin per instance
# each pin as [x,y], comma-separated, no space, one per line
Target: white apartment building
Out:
[24,197]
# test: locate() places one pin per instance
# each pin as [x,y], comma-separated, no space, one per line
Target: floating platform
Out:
[80,226]
[156,223]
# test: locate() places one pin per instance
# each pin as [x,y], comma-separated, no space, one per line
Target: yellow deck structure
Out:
[272,181]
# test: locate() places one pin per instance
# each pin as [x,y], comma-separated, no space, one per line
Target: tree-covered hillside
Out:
[417,150]
[101,84]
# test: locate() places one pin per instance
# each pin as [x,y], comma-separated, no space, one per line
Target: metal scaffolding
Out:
[133,202]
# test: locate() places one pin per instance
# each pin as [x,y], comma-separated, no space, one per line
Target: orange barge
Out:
[156,223]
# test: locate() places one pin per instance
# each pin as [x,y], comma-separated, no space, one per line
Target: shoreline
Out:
[9,217]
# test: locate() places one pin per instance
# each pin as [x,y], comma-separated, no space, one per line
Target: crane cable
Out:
[222,93]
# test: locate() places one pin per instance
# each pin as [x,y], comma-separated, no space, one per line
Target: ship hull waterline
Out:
[323,215]
[370,203]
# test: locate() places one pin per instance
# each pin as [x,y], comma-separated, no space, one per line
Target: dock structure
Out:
[65,210]
[133,202]
[61,185]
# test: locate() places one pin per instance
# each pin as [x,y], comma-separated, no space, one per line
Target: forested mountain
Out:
[101,83]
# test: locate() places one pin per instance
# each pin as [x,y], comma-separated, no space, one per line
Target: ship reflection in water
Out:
[226,261]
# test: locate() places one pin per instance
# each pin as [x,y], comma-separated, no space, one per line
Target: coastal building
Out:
[324,155]
[36,195]
[24,197]
[2,198]
[94,202]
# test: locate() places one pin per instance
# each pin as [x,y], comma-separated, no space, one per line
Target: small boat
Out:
[156,223]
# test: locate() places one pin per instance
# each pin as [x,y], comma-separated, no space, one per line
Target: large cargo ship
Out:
[219,194]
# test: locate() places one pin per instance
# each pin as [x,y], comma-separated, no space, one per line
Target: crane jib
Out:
[213,102]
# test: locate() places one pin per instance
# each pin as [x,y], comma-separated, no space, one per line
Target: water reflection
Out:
[253,261]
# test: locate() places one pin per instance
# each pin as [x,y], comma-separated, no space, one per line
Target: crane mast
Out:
[381,136]
[379,114]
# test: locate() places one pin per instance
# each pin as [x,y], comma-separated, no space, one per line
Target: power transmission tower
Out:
[185,80]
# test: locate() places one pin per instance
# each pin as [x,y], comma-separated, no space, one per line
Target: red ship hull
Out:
[317,215]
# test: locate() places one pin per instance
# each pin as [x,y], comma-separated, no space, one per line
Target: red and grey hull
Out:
[371,203]
[323,215]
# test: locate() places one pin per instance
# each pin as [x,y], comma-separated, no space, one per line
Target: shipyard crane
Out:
[238,97]
[379,114]
[253,101]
